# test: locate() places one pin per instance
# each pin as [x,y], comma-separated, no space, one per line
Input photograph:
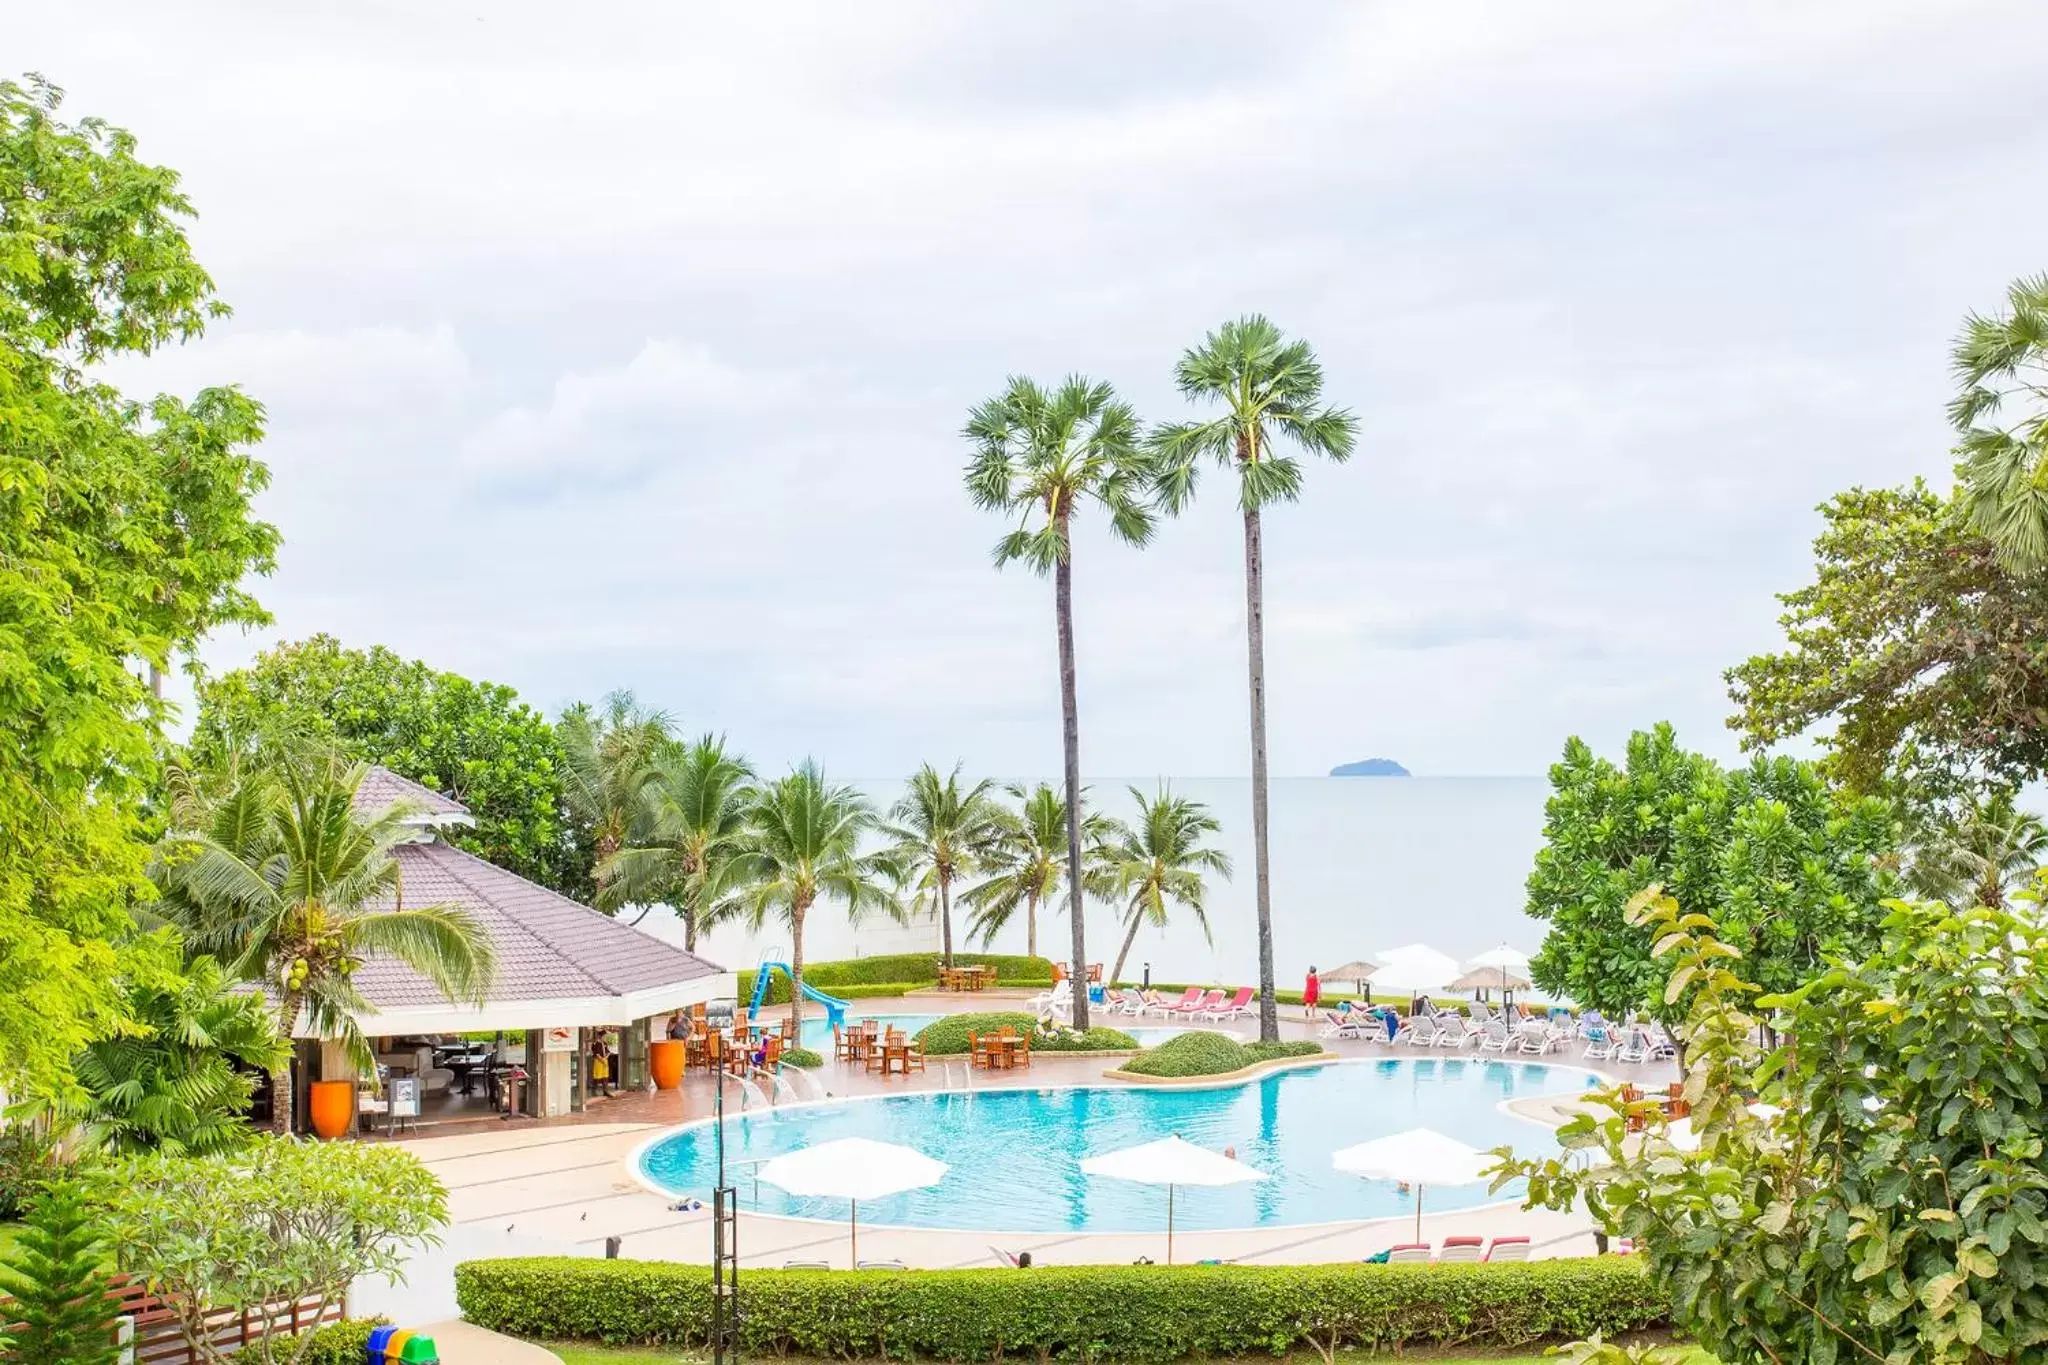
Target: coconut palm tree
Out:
[1270,389]
[2002,473]
[1158,861]
[804,844]
[1040,456]
[940,832]
[687,839]
[287,885]
[608,755]
[1993,848]
[1027,865]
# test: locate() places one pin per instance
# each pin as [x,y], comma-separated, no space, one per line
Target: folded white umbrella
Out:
[1418,1157]
[1170,1162]
[1416,968]
[853,1169]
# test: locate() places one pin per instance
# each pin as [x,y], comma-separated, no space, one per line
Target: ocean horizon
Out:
[1359,865]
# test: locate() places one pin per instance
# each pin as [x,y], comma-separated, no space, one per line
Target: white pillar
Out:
[554,1084]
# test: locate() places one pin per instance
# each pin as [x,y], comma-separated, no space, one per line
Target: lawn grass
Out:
[578,1354]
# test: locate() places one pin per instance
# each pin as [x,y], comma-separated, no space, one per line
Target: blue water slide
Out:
[835,1008]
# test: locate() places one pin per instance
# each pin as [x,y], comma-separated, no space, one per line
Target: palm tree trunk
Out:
[1070,712]
[1031,926]
[1255,640]
[946,919]
[796,970]
[1117,973]
[689,927]
[281,1079]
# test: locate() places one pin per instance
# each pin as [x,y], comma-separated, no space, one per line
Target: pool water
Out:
[816,1034]
[1015,1154]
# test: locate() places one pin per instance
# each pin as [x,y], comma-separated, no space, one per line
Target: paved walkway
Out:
[463,1344]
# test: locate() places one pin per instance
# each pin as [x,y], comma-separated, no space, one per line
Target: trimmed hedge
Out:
[803,1057]
[341,1343]
[1092,1313]
[1211,1054]
[947,1036]
[898,973]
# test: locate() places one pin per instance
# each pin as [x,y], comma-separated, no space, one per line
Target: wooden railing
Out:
[158,1340]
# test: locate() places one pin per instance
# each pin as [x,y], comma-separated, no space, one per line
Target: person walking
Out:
[1311,995]
[600,1067]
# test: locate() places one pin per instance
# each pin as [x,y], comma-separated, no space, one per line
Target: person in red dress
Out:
[1311,993]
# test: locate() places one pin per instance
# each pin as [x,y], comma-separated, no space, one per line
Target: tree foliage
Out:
[1980,855]
[939,832]
[1027,866]
[1888,1198]
[475,741]
[608,757]
[688,838]
[1928,657]
[260,1229]
[1790,868]
[125,531]
[58,1286]
[1158,861]
[2001,419]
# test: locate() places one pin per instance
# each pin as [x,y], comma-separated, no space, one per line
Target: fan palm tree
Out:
[688,838]
[1270,389]
[2003,466]
[804,844]
[1040,456]
[608,755]
[940,832]
[1159,861]
[174,1085]
[283,882]
[1993,848]
[1027,864]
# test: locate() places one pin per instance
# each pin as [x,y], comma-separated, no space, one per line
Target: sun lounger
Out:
[1599,1043]
[805,1265]
[1190,999]
[1419,1030]
[1634,1048]
[1460,1249]
[1124,1002]
[1238,1007]
[1508,1249]
[1198,1008]
[1409,1252]
[1496,1038]
[882,1265]
[1337,1025]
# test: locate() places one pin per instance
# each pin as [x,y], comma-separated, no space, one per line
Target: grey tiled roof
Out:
[548,946]
[382,788]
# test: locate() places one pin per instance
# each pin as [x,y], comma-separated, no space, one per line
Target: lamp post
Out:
[725,1250]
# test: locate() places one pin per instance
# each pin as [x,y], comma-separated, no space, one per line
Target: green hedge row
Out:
[898,972]
[947,1036]
[1092,1313]
[340,1343]
[1202,1053]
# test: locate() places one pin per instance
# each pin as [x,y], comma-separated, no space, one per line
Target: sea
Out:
[1359,865]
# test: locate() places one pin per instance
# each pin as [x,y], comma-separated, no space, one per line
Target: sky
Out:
[630,347]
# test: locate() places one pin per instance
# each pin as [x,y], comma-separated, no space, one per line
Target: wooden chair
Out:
[977,1051]
[845,1045]
[913,1056]
[771,1053]
[1020,1055]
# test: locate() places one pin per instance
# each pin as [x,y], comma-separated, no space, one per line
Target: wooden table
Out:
[965,978]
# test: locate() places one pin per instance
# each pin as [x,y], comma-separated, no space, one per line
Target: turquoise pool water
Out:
[817,1033]
[1015,1154]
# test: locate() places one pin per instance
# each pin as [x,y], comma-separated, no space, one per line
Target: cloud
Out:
[298,372]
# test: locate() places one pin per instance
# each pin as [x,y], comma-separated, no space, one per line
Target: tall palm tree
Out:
[687,839]
[1158,861]
[1269,388]
[1991,849]
[939,832]
[2002,364]
[1027,865]
[608,755]
[283,882]
[804,844]
[1039,456]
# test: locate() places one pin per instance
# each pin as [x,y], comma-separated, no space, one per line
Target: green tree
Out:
[608,756]
[1027,864]
[940,832]
[1270,390]
[288,885]
[264,1228]
[2002,363]
[1789,867]
[804,844]
[476,742]
[1041,455]
[1884,1202]
[1158,861]
[61,1306]
[125,529]
[1918,647]
[1982,856]
[174,1083]
[689,838]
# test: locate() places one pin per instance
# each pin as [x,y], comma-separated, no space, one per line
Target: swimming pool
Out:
[1016,1154]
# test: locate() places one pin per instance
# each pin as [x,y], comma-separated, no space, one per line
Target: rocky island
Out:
[1370,767]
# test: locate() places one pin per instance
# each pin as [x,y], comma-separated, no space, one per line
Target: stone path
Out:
[462,1344]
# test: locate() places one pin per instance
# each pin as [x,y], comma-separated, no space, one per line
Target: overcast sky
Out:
[629,345]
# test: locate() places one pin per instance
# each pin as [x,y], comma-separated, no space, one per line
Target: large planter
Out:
[665,1061]
[332,1105]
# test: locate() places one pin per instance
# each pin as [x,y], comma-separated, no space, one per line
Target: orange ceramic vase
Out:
[331,1104]
[665,1060]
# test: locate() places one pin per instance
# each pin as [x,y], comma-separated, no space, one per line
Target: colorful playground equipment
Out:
[835,1008]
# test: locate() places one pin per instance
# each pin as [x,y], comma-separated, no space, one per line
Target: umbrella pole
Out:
[1418,1211]
[1169,1225]
[853,1229]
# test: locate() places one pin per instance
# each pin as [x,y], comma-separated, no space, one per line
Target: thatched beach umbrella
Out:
[1491,979]
[1358,972]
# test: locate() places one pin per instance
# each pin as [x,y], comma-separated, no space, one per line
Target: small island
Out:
[1370,767]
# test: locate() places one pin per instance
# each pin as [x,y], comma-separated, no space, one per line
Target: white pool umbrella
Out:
[1418,1157]
[853,1169]
[1170,1162]
[1417,969]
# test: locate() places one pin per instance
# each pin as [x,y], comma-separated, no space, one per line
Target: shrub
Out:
[898,972]
[61,1306]
[947,1037]
[29,1161]
[803,1057]
[1203,1053]
[341,1343]
[1097,1313]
